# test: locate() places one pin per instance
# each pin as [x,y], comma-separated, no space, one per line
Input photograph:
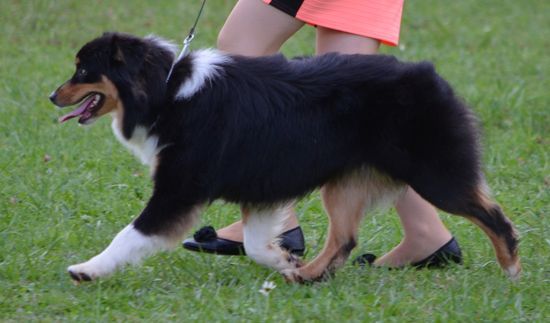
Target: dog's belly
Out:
[275,182]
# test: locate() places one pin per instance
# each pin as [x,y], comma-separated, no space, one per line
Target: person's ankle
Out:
[232,232]
[412,250]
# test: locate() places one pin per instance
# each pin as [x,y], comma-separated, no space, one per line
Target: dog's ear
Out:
[128,51]
[117,55]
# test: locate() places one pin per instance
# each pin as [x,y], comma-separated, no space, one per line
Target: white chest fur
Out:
[143,146]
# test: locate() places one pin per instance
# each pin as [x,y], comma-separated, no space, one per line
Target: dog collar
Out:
[186,42]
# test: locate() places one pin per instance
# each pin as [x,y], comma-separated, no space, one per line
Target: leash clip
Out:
[188,39]
[186,42]
[184,51]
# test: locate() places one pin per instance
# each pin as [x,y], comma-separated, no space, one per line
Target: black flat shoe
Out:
[449,252]
[206,240]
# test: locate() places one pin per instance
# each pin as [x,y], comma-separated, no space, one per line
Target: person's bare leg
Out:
[330,40]
[234,231]
[255,29]
[424,233]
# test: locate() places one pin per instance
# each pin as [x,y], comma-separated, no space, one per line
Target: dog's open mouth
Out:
[87,108]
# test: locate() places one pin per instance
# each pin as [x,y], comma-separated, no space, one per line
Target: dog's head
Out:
[116,73]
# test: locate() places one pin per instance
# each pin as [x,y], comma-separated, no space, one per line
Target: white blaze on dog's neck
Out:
[141,144]
[205,65]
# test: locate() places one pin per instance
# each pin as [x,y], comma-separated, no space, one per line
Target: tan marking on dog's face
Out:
[72,93]
[112,100]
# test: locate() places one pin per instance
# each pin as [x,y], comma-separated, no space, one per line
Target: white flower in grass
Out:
[267,287]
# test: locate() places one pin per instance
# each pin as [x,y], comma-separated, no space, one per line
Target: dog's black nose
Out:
[53,96]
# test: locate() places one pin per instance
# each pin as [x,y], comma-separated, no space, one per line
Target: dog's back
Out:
[312,119]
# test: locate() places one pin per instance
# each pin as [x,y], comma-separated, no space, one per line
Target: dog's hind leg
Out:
[488,215]
[261,227]
[475,204]
[345,202]
[159,227]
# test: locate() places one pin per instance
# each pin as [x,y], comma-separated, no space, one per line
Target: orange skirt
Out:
[378,19]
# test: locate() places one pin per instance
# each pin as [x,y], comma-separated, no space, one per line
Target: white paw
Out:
[292,275]
[86,271]
[514,272]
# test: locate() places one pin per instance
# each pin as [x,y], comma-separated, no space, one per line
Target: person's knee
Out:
[230,43]
[224,41]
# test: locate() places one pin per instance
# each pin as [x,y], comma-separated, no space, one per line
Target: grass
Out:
[65,191]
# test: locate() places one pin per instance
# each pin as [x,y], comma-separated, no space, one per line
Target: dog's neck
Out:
[141,143]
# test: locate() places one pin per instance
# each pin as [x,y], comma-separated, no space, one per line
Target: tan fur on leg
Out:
[508,260]
[345,201]
[489,217]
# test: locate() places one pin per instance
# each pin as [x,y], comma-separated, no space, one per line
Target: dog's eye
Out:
[82,72]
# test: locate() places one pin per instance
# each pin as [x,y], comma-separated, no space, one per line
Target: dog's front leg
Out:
[129,246]
[160,226]
[261,228]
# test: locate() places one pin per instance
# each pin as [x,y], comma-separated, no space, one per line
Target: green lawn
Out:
[66,190]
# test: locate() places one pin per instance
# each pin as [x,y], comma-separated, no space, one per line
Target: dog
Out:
[262,132]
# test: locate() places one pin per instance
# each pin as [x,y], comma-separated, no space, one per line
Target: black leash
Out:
[186,42]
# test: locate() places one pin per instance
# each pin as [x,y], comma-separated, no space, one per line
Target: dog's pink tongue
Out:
[78,111]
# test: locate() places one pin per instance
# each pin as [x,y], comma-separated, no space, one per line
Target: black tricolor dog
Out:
[264,131]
